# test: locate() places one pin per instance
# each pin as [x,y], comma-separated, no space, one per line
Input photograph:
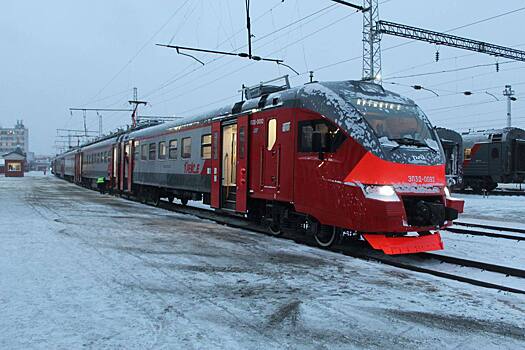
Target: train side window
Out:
[152,151]
[272,133]
[136,148]
[162,150]
[206,146]
[468,152]
[144,152]
[495,153]
[186,147]
[331,136]
[173,149]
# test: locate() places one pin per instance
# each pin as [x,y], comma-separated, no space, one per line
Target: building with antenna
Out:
[14,138]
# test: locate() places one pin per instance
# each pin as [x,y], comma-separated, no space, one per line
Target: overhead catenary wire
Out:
[114,77]
[314,14]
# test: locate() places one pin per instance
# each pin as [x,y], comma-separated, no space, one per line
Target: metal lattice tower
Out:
[371,42]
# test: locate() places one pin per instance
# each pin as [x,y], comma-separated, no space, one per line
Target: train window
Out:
[494,153]
[186,147]
[272,133]
[468,153]
[173,149]
[206,146]
[136,149]
[144,152]
[162,150]
[331,136]
[152,151]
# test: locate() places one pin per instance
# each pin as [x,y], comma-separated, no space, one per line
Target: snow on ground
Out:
[80,269]
[496,209]
[496,251]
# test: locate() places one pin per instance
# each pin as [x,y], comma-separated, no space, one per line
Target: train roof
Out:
[493,135]
[335,100]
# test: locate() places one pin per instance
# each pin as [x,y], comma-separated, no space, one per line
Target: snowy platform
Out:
[84,270]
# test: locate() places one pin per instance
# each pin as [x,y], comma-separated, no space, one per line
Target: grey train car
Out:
[492,157]
[95,161]
[452,143]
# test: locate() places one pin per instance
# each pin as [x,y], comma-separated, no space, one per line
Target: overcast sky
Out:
[58,54]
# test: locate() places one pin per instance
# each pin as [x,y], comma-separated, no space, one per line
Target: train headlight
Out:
[382,193]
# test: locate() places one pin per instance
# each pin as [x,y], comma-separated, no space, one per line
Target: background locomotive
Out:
[327,158]
[452,144]
[492,157]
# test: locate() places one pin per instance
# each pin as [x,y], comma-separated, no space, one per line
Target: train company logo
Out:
[192,168]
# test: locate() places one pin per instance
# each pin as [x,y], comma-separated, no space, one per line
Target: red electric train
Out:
[326,158]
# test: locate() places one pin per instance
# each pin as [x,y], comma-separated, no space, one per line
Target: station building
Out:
[14,163]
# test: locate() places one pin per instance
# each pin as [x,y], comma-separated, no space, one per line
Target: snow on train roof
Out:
[334,100]
[331,99]
[502,134]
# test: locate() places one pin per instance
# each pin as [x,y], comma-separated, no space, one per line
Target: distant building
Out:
[13,138]
[14,163]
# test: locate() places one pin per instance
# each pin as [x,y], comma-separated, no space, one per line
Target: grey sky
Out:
[60,54]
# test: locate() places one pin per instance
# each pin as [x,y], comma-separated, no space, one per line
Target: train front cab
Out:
[268,161]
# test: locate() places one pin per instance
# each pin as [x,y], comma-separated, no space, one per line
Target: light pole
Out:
[509,93]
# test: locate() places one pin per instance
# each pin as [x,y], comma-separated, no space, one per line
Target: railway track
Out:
[496,192]
[517,234]
[428,263]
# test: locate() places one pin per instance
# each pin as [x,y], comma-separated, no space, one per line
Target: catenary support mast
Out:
[371,41]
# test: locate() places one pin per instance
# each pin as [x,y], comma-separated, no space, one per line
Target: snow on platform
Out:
[84,270]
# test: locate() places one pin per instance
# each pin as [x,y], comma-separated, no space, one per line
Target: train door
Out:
[124,149]
[115,176]
[78,167]
[270,154]
[518,153]
[229,166]
[216,164]
[495,159]
[242,164]
[229,188]
[131,161]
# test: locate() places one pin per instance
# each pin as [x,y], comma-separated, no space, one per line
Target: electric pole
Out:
[136,103]
[371,41]
[509,93]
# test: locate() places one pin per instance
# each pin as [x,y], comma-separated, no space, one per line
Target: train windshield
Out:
[399,123]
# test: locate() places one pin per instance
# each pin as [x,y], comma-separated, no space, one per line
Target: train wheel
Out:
[171,198]
[325,236]
[274,230]
[156,199]
[184,201]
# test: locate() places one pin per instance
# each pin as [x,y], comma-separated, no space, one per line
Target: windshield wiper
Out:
[410,142]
